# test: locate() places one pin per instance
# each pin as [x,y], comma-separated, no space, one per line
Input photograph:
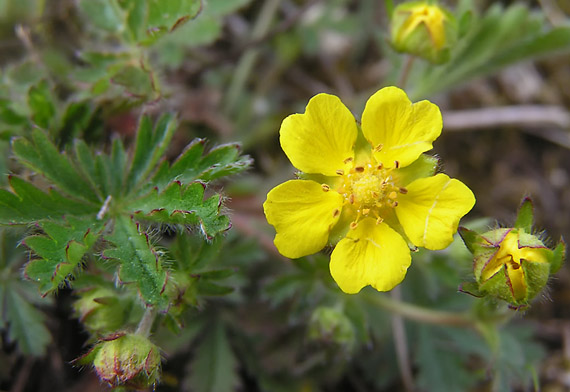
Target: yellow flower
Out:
[369,186]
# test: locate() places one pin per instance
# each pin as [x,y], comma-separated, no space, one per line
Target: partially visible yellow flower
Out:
[423,29]
[511,264]
[370,188]
[508,260]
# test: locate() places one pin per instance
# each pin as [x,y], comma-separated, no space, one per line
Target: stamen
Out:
[359,169]
[378,147]
[336,213]
[396,164]
[340,172]
[393,195]
[379,220]
[403,191]
[351,198]
[325,187]
[380,166]
[395,204]
[349,159]
[365,211]
[375,194]
[353,225]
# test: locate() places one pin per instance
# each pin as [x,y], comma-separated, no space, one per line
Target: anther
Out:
[393,195]
[349,159]
[336,213]
[379,220]
[351,198]
[365,211]
[375,194]
[359,169]
[353,225]
[396,164]
[395,204]
[340,172]
[325,187]
[378,147]
[380,166]
[403,191]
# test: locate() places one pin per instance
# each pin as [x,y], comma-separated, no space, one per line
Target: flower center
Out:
[368,189]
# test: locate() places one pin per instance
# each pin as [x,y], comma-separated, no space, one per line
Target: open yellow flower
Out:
[370,188]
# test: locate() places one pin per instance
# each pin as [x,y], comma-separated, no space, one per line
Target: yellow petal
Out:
[403,130]
[516,280]
[372,255]
[321,139]
[431,210]
[303,215]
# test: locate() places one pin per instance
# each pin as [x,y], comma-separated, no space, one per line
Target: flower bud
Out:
[331,324]
[100,310]
[511,263]
[128,360]
[425,30]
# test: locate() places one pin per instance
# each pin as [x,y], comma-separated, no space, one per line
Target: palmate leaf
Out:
[139,262]
[182,204]
[60,251]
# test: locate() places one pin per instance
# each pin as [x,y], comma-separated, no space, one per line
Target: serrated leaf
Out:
[43,157]
[182,204]
[28,204]
[41,103]
[139,263]
[150,146]
[192,165]
[26,324]
[60,251]
[214,366]
[525,216]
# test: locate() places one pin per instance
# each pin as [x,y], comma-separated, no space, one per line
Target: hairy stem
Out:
[146,322]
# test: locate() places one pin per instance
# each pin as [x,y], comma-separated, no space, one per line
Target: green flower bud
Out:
[331,324]
[511,263]
[425,30]
[100,310]
[127,360]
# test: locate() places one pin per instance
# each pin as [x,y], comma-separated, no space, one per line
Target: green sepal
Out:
[536,277]
[557,256]
[471,288]
[525,216]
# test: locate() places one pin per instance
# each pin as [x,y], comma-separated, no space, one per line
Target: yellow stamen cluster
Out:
[368,189]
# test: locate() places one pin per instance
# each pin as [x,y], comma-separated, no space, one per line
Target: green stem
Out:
[406,71]
[424,315]
[146,322]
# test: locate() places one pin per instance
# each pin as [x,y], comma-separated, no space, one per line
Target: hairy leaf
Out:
[182,204]
[60,251]
[139,262]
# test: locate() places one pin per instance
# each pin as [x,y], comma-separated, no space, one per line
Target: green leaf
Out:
[26,323]
[139,262]
[43,157]
[525,216]
[192,165]
[136,81]
[41,103]
[150,146]
[28,204]
[207,288]
[103,14]
[61,250]
[214,366]
[182,204]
